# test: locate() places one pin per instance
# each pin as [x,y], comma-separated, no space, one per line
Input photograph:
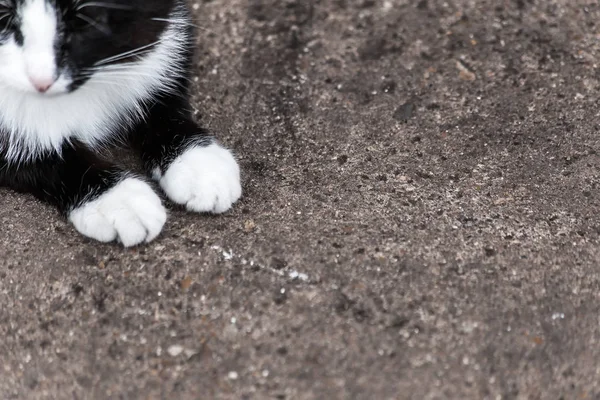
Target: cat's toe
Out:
[130,212]
[204,179]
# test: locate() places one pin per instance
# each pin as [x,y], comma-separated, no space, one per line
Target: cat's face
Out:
[53,47]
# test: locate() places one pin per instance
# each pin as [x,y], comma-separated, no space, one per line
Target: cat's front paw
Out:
[203,178]
[130,212]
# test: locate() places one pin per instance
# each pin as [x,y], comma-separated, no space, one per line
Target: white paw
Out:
[130,212]
[204,179]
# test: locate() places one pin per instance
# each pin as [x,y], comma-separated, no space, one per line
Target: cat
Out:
[77,76]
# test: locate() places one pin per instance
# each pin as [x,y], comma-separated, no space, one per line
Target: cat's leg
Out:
[102,201]
[190,166]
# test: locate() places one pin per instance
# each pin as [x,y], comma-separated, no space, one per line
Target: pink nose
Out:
[42,85]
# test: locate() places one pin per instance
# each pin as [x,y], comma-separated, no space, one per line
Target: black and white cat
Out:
[79,75]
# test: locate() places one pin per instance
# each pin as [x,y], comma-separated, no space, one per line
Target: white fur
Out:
[38,26]
[204,179]
[129,212]
[112,98]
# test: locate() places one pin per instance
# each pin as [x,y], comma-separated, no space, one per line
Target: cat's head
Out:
[53,47]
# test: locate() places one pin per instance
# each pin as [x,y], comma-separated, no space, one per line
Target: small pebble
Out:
[175,350]
[232,375]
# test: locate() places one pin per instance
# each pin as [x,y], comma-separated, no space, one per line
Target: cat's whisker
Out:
[112,64]
[99,4]
[110,68]
[124,57]
[118,81]
[118,70]
[102,82]
[140,50]
[114,67]
[127,54]
[109,76]
[93,23]
[114,77]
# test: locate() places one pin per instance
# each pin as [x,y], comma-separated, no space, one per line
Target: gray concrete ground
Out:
[420,220]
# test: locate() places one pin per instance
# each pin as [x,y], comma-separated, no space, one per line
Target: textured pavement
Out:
[420,220]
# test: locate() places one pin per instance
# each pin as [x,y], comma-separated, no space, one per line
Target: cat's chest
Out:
[35,124]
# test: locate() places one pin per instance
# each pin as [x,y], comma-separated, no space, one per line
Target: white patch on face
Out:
[38,21]
[33,64]
[104,106]
[204,179]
